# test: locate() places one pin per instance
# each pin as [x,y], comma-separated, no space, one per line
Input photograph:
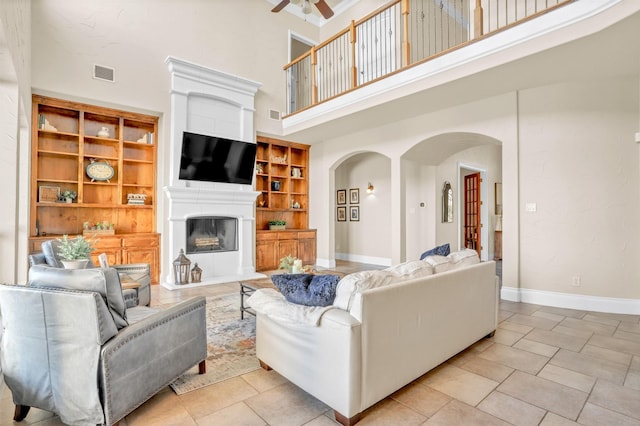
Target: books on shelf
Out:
[147,138]
[43,124]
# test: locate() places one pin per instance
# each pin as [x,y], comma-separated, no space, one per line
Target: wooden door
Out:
[472,225]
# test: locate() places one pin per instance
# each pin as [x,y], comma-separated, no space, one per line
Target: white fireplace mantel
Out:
[216,103]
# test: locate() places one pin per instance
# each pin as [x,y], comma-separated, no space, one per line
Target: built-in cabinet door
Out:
[266,255]
[287,248]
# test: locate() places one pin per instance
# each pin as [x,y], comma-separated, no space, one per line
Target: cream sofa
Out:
[384,330]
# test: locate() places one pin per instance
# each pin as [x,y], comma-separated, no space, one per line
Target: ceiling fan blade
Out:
[324,9]
[280,6]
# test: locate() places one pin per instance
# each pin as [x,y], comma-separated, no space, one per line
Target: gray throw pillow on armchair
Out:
[307,289]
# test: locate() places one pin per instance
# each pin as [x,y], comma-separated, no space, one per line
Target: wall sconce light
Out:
[369,188]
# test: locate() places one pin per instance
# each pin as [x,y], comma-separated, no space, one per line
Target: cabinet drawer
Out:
[106,242]
[140,241]
[266,236]
[306,234]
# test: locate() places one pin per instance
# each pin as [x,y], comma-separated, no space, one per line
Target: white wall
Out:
[369,239]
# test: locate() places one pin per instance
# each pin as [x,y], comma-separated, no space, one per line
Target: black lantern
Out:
[181,268]
[196,273]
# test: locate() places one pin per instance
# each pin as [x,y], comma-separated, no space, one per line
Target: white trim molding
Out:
[572,301]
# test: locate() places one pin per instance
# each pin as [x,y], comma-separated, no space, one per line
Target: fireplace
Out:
[212,234]
[214,223]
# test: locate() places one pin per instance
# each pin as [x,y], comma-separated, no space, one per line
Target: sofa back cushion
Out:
[463,258]
[411,269]
[359,281]
[438,263]
[106,282]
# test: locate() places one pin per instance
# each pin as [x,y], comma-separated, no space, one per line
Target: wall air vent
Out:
[274,115]
[100,72]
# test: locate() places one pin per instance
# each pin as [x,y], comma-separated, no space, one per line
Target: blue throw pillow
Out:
[307,289]
[442,250]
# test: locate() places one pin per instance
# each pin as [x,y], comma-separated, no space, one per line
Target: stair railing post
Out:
[478,20]
[406,52]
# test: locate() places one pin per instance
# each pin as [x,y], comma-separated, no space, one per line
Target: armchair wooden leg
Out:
[202,367]
[20,412]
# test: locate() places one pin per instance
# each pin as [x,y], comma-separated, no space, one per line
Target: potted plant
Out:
[68,195]
[74,251]
[277,224]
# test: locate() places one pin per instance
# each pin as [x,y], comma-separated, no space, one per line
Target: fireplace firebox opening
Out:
[212,234]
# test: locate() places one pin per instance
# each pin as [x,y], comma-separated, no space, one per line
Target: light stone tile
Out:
[589,365]
[390,412]
[458,413]
[629,327]
[616,398]
[594,327]
[503,315]
[512,326]
[633,379]
[619,317]
[615,344]
[634,337]
[235,415]
[511,410]
[212,398]
[608,354]
[489,369]
[585,334]
[515,358]
[536,322]
[593,415]
[560,340]
[423,399]
[548,315]
[536,347]
[327,419]
[601,320]
[506,337]
[263,380]
[545,394]
[164,408]
[286,405]
[518,307]
[460,384]
[635,362]
[571,313]
[566,377]
[552,419]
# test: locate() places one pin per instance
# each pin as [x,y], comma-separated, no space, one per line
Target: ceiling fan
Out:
[322,6]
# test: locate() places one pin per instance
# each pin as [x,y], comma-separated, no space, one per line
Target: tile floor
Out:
[544,366]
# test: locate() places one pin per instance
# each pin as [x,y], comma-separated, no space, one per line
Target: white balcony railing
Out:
[399,35]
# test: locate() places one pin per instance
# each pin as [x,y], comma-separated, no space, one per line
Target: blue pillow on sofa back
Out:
[307,289]
[442,250]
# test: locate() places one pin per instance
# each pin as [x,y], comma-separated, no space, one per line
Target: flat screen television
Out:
[215,159]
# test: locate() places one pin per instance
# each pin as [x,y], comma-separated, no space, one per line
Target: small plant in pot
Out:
[68,196]
[277,224]
[74,251]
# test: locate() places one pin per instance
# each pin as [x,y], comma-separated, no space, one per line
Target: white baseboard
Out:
[326,263]
[381,261]
[572,301]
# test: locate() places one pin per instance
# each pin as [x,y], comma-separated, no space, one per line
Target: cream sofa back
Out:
[418,324]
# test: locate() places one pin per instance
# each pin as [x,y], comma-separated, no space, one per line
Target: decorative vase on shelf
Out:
[103,132]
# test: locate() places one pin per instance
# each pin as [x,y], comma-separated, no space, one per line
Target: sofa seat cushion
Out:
[359,281]
[307,289]
[442,250]
[411,269]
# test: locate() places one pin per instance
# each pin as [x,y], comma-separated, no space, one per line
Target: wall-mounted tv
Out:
[215,159]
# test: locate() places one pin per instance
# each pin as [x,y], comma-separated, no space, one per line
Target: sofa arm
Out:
[148,355]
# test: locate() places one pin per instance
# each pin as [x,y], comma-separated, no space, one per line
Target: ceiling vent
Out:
[100,72]
[274,115]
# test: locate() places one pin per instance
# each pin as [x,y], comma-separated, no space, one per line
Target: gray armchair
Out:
[139,272]
[70,345]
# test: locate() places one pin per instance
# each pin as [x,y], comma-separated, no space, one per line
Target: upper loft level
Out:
[391,58]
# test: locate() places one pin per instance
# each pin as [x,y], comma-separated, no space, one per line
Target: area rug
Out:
[231,345]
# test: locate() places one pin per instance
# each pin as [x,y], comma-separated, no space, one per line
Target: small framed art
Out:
[354,196]
[354,213]
[341,196]
[342,214]
[48,194]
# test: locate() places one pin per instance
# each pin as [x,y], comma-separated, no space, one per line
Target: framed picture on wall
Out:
[341,196]
[354,196]
[354,213]
[342,214]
